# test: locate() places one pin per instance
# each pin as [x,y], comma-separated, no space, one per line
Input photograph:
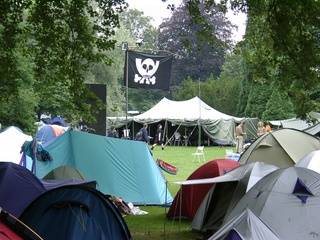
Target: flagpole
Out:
[127,90]
[199,120]
[125,47]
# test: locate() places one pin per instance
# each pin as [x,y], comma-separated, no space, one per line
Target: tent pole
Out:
[180,208]
[165,212]
[199,134]
[199,126]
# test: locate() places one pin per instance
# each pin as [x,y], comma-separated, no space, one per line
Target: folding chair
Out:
[177,139]
[199,154]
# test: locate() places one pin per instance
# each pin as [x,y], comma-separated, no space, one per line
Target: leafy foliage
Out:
[196,57]
[69,36]
[281,45]
[17,98]
[257,99]
[134,27]
[279,106]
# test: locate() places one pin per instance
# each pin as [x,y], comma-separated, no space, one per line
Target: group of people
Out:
[142,135]
[262,128]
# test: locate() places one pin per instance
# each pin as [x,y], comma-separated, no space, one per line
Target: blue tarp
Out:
[75,213]
[122,168]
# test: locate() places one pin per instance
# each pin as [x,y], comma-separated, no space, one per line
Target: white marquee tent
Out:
[193,112]
[190,110]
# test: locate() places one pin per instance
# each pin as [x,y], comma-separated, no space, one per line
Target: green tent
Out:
[64,172]
[121,168]
[282,148]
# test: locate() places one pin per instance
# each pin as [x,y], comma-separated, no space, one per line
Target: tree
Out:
[196,57]
[187,89]
[259,94]
[17,98]
[70,36]
[133,26]
[140,28]
[278,107]
[283,38]
[232,74]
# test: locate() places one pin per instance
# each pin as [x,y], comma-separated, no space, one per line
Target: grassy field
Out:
[155,225]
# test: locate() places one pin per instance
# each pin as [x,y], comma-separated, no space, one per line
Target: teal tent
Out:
[121,168]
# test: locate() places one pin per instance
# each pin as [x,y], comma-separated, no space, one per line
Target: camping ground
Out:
[155,225]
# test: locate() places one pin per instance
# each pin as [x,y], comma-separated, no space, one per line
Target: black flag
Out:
[148,71]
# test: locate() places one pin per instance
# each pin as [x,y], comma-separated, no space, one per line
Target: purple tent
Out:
[18,187]
[55,183]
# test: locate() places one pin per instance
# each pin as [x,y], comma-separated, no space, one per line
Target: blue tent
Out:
[18,187]
[75,213]
[48,133]
[122,168]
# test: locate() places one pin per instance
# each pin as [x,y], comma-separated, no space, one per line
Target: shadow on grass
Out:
[156,226]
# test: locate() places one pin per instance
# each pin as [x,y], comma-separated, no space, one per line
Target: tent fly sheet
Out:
[121,168]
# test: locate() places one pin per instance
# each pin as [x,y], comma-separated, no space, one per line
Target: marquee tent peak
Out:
[167,109]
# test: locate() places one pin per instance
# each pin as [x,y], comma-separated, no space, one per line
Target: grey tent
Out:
[225,194]
[311,161]
[64,172]
[294,123]
[246,226]
[314,130]
[283,148]
[287,201]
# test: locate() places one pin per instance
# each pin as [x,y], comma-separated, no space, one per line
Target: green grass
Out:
[155,225]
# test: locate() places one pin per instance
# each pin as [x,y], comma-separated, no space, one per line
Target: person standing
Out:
[113,133]
[158,137]
[260,129]
[240,137]
[142,135]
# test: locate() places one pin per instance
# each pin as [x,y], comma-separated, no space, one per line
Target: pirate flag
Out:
[148,71]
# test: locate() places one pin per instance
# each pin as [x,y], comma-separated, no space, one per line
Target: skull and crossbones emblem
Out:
[146,68]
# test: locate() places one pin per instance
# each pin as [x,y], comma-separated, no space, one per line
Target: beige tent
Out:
[282,148]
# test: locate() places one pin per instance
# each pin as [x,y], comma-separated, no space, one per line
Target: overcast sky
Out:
[158,11]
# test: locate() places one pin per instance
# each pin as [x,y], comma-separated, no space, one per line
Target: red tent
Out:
[189,198]
[12,228]
[7,234]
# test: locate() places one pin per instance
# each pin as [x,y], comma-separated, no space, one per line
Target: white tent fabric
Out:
[11,140]
[217,125]
[313,130]
[258,171]
[181,111]
[193,112]
[315,115]
[311,161]
[248,226]
[294,123]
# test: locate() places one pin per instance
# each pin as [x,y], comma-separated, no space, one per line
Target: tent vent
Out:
[258,194]
[301,191]
[233,235]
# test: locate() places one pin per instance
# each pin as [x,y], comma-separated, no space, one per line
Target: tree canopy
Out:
[195,57]
[46,48]
[50,49]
